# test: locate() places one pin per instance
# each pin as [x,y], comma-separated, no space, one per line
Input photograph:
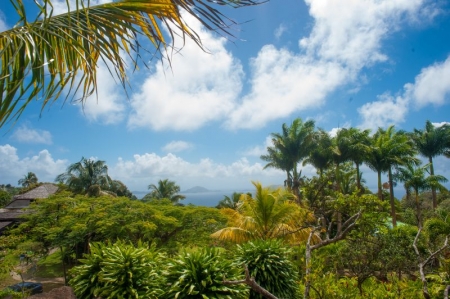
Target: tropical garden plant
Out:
[200,274]
[165,189]
[268,262]
[119,270]
[270,214]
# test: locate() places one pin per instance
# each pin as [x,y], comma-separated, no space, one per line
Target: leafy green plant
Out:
[268,263]
[119,271]
[200,274]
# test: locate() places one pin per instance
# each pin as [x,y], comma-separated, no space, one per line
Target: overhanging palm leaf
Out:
[42,58]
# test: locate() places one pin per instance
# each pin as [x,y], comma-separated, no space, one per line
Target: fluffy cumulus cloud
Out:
[150,167]
[177,146]
[200,87]
[388,110]
[339,47]
[43,165]
[258,150]
[430,87]
[3,26]
[27,135]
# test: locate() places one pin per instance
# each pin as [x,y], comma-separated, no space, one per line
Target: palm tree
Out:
[431,142]
[271,214]
[414,179]
[55,53]
[290,148]
[29,179]
[358,150]
[86,176]
[165,189]
[340,152]
[390,149]
[320,156]
[231,202]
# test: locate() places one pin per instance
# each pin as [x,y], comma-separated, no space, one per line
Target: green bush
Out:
[200,274]
[118,271]
[268,263]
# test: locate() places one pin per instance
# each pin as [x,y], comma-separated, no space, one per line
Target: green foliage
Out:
[119,271]
[200,274]
[268,263]
[5,198]
[10,294]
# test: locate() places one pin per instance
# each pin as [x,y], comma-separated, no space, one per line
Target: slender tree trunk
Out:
[380,191]
[308,266]
[392,199]
[433,188]
[63,265]
[358,178]
[418,209]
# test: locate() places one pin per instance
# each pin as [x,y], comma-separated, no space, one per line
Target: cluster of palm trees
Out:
[389,151]
[90,177]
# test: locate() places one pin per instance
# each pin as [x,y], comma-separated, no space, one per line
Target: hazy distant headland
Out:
[198,189]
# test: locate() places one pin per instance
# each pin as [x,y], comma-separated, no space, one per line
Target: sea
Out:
[206,199]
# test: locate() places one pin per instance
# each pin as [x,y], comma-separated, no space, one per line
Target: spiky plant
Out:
[119,271]
[200,274]
[268,263]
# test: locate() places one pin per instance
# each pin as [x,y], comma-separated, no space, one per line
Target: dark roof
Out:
[4,224]
[10,216]
[18,204]
[42,191]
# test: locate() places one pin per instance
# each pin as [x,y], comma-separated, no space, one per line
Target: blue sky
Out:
[206,121]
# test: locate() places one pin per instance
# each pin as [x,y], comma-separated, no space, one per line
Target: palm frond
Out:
[41,59]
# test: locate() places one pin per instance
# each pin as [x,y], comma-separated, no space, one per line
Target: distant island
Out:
[196,189]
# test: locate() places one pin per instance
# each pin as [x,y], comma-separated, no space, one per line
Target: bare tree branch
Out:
[250,281]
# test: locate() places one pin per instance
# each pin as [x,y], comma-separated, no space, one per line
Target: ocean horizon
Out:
[206,199]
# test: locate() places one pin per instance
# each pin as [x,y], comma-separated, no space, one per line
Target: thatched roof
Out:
[42,191]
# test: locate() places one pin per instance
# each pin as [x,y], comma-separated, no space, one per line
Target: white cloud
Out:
[280,30]
[27,135]
[258,150]
[388,110]
[150,167]
[177,146]
[438,125]
[109,104]
[14,168]
[3,26]
[200,88]
[338,48]
[431,86]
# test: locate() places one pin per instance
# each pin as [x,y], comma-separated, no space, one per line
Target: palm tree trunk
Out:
[433,188]
[392,199]
[418,209]
[358,177]
[380,191]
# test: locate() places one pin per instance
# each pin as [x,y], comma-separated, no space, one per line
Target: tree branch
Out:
[250,281]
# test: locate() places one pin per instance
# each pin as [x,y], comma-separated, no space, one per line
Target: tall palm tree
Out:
[390,148]
[29,179]
[43,56]
[358,150]
[431,142]
[320,155]
[340,152]
[415,179]
[165,189]
[86,174]
[291,146]
[271,214]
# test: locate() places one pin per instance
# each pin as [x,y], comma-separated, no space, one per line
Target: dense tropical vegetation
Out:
[325,236]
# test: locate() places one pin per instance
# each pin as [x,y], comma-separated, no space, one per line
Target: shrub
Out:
[200,274]
[118,271]
[268,263]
